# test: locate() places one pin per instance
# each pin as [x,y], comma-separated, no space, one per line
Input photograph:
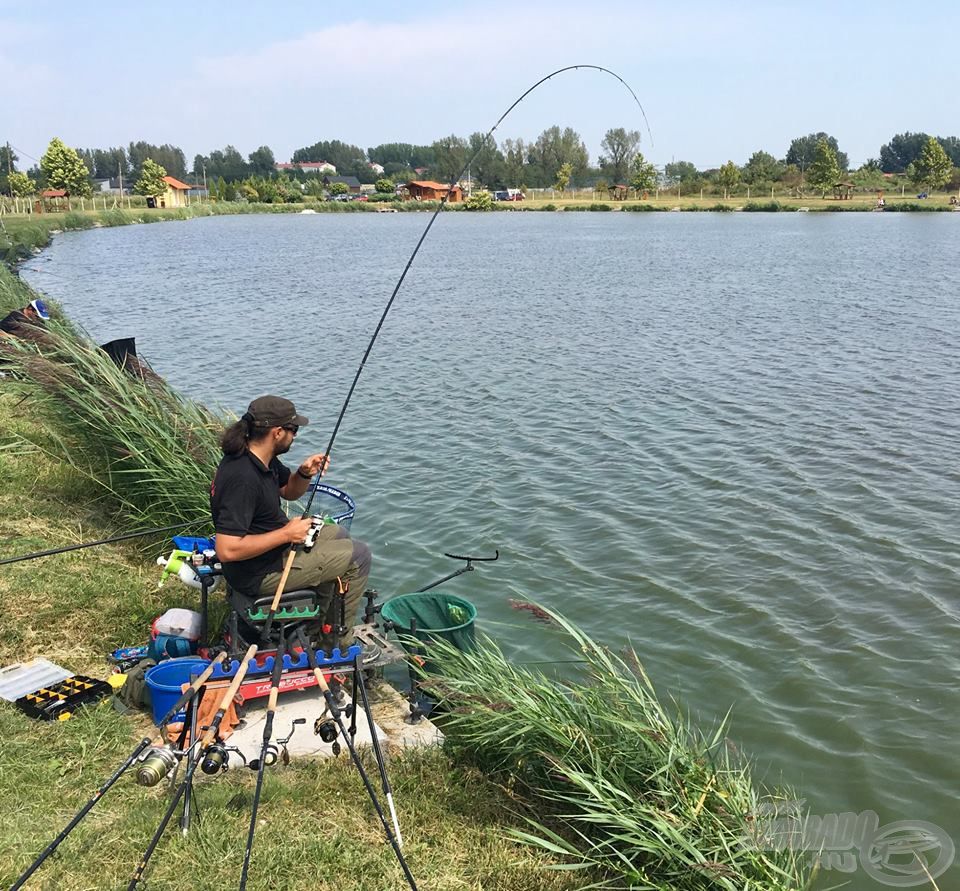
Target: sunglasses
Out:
[292,428]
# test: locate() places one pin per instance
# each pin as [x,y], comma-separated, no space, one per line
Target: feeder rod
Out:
[93,544]
[335,713]
[146,741]
[228,696]
[267,733]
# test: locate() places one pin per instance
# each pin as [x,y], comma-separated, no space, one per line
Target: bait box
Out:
[24,677]
[58,701]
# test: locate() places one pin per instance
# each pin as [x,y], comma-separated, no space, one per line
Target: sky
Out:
[717,81]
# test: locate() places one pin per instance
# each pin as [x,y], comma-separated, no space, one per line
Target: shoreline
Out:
[24,235]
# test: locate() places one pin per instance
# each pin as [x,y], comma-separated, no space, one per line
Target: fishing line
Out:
[430,223]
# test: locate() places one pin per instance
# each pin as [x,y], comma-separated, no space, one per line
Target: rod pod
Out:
[335,713]
[267,733]
[187,696]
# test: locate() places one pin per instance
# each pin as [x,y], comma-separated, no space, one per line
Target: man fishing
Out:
[12,325]
[253,533]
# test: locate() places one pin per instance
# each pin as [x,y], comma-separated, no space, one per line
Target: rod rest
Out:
[228,669]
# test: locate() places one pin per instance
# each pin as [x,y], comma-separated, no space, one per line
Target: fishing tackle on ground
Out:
[184,699]
[383,317]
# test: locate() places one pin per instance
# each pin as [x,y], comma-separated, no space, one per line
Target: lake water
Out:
[728,439]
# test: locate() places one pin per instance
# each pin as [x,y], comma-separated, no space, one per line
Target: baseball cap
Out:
[275,411]
[40,308]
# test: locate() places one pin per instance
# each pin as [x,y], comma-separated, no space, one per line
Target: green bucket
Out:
[427,617]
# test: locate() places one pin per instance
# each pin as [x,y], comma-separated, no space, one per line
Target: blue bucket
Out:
[165,681]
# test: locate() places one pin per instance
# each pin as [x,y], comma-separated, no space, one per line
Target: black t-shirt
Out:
[14,321]
[245,500]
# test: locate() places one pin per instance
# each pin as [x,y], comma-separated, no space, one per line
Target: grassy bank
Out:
[544,785]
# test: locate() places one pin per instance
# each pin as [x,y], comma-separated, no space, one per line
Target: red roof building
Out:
[427,190]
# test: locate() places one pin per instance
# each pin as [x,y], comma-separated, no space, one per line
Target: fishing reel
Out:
[277,751]
[317,522]
[155,764]
[216,759]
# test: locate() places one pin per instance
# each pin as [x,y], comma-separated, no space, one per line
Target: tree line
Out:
[557,158]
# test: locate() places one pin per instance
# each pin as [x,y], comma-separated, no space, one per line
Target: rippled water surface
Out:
[729,439]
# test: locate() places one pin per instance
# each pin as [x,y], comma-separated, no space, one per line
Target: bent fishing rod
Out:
[186,698]
[343,410]
[198,749]
[335,713]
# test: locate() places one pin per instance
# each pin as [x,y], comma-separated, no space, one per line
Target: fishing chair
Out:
[298,609]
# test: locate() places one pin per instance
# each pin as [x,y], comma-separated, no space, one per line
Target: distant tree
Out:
[167,156]
[901,151]
[601,185]
[384,185]
[261,162]
[342,155]
[727,177]
[107,163]
[63,169]
[803,149]
[222,189]
[338,188]
[868,175]
[227,163]
[479,200]
[315,187]
[554,148]
[932,169]
[488,165]
[403,154]
[450,157]
[21,186]
[562,178]
[680,172]
[951,145]
[8,159]
[762,168]
[824,171]
[643,175]
[619,146]
[515,161]
[151,181]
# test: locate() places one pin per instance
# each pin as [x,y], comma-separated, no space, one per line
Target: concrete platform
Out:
[389,710]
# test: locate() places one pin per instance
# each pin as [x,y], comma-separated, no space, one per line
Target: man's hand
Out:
[315,464]
[297,529]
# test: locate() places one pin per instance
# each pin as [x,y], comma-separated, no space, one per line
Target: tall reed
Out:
[612,780]
[151,452]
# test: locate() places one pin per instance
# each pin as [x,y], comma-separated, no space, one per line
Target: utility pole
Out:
[9,168]
[120,174]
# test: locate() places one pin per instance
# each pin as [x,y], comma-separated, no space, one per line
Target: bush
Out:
[549,206]
[384,197]
[763,206]
[642,208]
[598,206]
[75,220]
